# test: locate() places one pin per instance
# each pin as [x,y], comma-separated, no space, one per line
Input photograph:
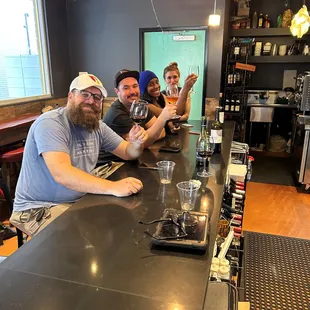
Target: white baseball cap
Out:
[86,80]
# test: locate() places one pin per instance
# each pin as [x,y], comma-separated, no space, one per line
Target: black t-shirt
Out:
[118,118]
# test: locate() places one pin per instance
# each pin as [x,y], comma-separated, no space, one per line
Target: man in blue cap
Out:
[118,116]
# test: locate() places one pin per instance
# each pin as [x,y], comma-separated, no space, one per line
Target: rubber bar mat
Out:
[277,272]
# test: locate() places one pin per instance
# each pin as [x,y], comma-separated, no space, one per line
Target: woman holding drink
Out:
[172,78]
[150,91]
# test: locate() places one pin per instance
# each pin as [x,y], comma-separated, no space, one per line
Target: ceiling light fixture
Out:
[301,22]
[214,19]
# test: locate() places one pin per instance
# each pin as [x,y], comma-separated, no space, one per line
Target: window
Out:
[24,70]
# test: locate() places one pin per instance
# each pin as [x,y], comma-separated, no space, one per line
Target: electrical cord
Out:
[158,25]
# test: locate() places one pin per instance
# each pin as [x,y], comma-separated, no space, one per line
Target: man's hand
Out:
[126,187]
[169,112]
[137,135]
[190,81]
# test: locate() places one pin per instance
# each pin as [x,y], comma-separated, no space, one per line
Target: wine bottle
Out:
[217,132]
[221,105]
[203,135]
[254,20]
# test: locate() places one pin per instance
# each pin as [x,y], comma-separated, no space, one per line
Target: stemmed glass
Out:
[205,150]
[138,111]
[172,92]
[193,69]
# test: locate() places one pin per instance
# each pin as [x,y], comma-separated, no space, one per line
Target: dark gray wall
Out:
[57,40]
[104,34]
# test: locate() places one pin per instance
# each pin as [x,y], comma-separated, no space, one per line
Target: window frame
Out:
[44,56]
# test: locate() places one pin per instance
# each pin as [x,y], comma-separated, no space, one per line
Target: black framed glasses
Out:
[87,94]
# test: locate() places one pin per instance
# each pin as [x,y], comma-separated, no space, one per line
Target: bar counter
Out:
[96,254]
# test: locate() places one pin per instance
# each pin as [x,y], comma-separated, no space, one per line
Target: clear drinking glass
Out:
[193,69]
[205,148]
[138,111]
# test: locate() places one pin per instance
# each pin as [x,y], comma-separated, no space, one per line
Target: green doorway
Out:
[186,47]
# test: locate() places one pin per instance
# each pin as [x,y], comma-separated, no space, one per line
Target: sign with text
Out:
[245,67]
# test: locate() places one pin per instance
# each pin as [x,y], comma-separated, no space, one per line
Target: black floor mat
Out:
[272,170]
[277,272]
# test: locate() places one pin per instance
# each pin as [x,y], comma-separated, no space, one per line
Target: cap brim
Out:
[101,88]
[133,74]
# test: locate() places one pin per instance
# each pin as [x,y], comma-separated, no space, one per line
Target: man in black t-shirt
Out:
[118,115]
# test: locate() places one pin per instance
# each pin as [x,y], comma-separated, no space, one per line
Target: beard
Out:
[82,118]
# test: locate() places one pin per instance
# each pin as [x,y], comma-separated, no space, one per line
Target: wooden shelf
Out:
[261,32]
[279,59]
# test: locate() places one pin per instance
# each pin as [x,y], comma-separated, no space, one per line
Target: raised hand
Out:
[189,82]
[137,135]
[169,112]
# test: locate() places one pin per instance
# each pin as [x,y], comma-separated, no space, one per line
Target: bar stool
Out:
[10,159]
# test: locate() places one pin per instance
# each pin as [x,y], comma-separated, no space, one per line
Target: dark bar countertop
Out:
[96,254]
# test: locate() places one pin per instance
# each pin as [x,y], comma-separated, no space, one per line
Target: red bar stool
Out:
[10,159]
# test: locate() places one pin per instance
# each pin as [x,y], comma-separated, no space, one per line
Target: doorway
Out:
[184,46]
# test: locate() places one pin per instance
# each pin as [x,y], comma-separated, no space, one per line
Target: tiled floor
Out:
[271,209]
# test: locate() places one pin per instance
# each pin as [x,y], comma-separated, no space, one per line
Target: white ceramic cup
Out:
[282,50]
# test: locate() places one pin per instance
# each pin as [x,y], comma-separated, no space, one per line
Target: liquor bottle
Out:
[267,22]
[202,136]
[260,23]
[217,132]
[254,20]
[237,105]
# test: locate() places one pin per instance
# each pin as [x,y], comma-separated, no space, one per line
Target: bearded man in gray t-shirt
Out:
[61,149]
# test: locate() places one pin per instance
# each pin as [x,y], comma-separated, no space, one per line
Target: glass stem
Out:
[204,164]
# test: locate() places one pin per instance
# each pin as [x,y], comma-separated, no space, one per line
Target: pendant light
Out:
[301,22]
[214,19]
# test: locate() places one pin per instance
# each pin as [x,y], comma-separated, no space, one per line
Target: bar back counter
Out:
[96,255]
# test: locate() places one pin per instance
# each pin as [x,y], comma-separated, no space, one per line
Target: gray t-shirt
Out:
[53,131]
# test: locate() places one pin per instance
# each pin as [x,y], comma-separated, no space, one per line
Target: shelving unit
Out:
[261,32]
[279,59]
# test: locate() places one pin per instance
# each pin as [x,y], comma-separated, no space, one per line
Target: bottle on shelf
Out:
[238,77]
[232,104]
[232,48]
[234,75]
[217,132]
[221,106]
[260,21]
[230,77]
[202,136]
[236,50]
[227,104]
[267,22]
[237,105]
[254,20]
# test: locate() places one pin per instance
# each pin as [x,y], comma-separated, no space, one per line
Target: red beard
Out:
[82,118]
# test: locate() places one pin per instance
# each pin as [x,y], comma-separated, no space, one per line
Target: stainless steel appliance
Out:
[305,100]
[301,155]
